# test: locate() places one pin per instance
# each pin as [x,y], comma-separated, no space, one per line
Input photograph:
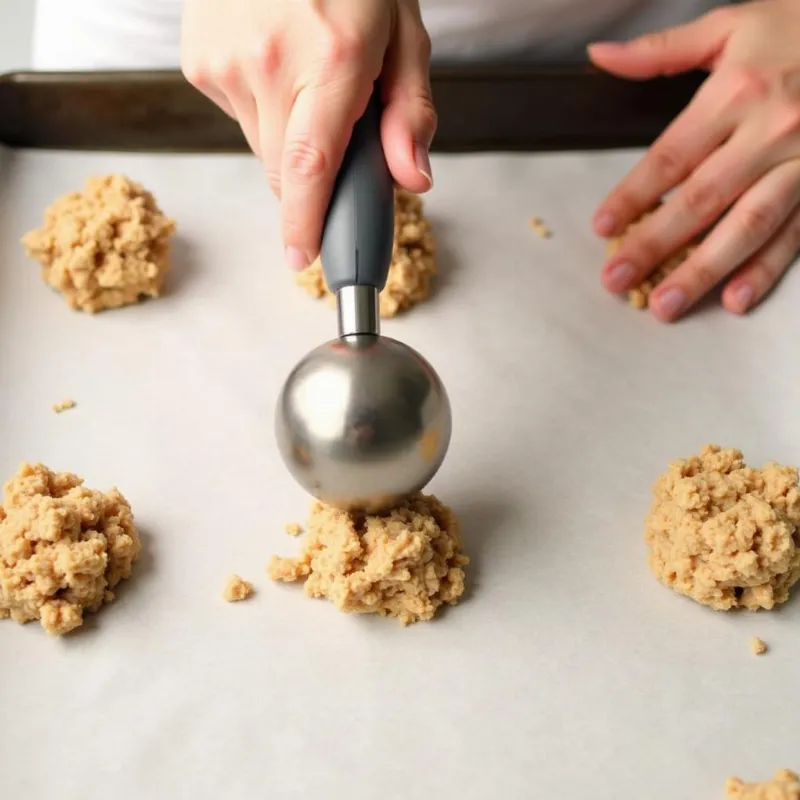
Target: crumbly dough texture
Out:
[237,589]
[63,547]
[103,247]
[413,260]
[785,786]
[639,296]
[726,534]
[403,564]
[758,646]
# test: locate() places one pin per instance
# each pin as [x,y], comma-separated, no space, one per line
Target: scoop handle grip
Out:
[359,225]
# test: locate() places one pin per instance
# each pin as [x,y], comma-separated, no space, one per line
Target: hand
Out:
[297,75]
[733,154]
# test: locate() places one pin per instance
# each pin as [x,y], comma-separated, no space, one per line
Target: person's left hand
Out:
[733,157]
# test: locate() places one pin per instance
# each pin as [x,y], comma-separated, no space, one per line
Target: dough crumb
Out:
[726,534]
[237,589]
[105,246]
[639,296]
[539,228]
[404,564]
[63,547]
[758,646]
[293,528]
[64,405]
[413,261]
[785,786]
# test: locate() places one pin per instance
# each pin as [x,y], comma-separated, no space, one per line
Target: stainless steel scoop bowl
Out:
[362,421]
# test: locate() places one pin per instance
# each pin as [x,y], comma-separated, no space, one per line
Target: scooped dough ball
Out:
[785,786]
[405,563]
[63,547]
[639,296]
[104,247]
[725,534]
[413,261]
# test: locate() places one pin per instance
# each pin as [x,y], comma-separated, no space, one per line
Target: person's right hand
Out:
[297,75]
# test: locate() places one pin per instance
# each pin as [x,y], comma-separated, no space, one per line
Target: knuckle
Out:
[702,200]
[196,76]
[655,41]
[304,161]
[759,221]
[747,85]
[270,56]
[703,277]
[667,163]
[786,122]
[341,49]
[229,78]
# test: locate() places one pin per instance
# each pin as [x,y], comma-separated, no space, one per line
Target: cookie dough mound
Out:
[785,786]
[413,260]
[104,247]
[638,297]
[725,534]
[405,563]
[63,547]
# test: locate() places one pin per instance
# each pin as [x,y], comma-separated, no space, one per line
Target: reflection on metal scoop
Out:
[363,420]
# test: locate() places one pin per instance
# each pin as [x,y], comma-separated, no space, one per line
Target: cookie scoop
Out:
[363,420]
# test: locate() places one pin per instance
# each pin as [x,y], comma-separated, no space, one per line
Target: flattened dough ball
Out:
[103,247]
[726,534]
[413,260]
[639,296]
[63,547]
[405,563]
[785,786]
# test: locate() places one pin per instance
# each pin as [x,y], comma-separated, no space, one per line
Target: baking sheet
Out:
[567,673]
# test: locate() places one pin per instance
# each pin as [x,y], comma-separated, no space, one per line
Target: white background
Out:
[567,673]
[16,27]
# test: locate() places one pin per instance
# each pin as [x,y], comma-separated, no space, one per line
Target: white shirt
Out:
[145,34]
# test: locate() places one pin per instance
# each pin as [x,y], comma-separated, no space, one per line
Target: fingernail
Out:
[619,277]
[605,45]
[295,259]
[743,297]
[423,161]
[670,302]
[605,223]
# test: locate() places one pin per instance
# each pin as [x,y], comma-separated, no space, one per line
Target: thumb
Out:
[409,118]
[668,52]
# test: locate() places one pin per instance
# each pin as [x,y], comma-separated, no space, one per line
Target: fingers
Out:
[408,123]
[316,136]
[726,100]
[753,282]
[699,202]
[758,217]
[697,132]
[669,51]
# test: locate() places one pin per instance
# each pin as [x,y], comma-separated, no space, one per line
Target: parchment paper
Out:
[567,673]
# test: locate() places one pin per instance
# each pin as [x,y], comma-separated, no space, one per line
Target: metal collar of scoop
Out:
[358,311]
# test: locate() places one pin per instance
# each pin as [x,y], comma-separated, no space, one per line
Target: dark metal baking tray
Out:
[502,108]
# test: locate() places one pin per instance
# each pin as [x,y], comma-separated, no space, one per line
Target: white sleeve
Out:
[106,34]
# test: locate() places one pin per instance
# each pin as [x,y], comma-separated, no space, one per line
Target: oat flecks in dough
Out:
[639,296]
[63,405]
[63,547]
[785,786]
[725,534]
[403,564]
[237,589]
[103,247]
[413,260]
[758,646]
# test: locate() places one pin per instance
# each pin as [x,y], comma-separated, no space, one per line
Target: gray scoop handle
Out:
[359,225]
